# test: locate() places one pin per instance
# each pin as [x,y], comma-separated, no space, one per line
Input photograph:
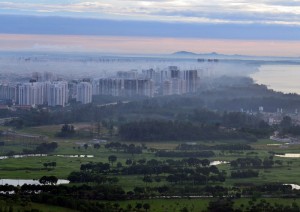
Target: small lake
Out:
[284,78]
[294,186]
[20,182]
[218,162]
[75,156]
[45,155]
[23,156]
[289,155]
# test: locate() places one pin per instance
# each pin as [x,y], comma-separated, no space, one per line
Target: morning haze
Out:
[170,105]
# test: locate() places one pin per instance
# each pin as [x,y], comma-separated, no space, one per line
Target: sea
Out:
[283,78]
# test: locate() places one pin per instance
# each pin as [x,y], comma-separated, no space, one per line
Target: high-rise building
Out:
[133,74]
[174,86]
[56,93]
[123,87]
[192,80]
[31,93]
[108,86]
[37,76]
[149,73]
[174,72]
[84,92]
[95,87]
[116,87]
[178,86]
[49,76]
[167,87]
[145,87]
[8,92]
[140,87]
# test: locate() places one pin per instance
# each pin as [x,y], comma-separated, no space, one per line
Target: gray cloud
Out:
[14,24]
[196,11]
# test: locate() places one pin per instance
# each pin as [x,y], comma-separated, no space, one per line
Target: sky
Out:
[257,27]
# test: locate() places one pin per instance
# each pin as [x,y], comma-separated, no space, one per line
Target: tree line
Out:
[191,147]
[153,130]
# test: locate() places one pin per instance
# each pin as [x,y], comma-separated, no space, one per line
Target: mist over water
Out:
[72,66]
[284,78]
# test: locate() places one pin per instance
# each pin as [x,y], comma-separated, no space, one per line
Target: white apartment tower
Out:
[56,93]
[31,93]
[192,80]
[84,92]
[8,91]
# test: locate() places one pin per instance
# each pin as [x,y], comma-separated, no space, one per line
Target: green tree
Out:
[146,206]
[286,122]
[112,159]
[147,179]
[128,162]
[138,206]
[97,146]
[85,146]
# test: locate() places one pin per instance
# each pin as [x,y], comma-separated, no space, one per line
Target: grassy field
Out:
[170,205]
[32,167]
[197,204]
[29,206]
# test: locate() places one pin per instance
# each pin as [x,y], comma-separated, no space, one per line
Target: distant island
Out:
[216,55]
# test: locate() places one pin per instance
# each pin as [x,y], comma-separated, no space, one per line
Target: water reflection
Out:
[218,162]
[45,155]
[20,182]
[289,155]
[294,186]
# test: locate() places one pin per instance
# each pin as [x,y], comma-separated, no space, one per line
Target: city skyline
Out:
[262,28]
[47,89]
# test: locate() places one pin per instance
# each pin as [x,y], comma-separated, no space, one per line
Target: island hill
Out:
[236,57]
[186,53]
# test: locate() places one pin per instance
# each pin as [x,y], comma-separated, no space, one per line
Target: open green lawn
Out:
[170,205]
[32,167]
[196,204]
[51,208]
[49,130]
[15,206]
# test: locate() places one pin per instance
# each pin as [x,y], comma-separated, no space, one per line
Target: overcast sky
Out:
[215,25]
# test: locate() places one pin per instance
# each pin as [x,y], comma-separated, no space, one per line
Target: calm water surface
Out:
[20,182]
[284,78]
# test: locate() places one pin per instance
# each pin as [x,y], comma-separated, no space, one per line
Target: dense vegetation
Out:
[168,131]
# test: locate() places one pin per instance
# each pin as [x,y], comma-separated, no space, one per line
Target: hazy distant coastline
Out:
[278,73]
[280,77]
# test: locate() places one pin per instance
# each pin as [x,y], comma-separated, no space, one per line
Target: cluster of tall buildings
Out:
[84,92]
[173,81]
[123,87]
[148,83]
[36,93]
[48,90]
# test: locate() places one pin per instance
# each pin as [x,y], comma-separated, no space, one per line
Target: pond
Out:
[289,155]
[23,156]
[45,155]
[294,186]
[75,156]
[218,162]
[20,182]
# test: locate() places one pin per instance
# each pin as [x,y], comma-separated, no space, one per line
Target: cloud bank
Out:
[188,11]
[51,25]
